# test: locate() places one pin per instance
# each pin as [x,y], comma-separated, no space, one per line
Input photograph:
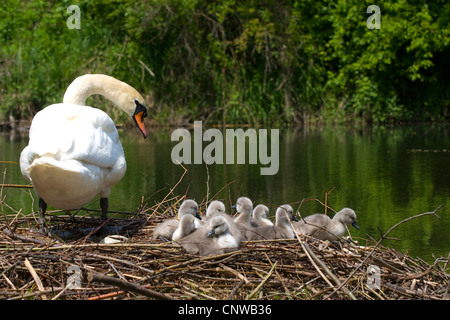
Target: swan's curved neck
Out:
[114,90]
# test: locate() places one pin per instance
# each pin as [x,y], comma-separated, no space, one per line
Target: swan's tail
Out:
[66,184]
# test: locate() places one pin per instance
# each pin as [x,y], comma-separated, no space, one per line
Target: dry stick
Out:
[279,277]
[9,281]
[235,289]
[125,285]
[326,199]
[207,183]
[116,271]
[446,261]
[328,271]
[217,193]
[195,260]
[199,288]
[146,67]
[34,294]
[107,295]
[262,282]
[100,246]
[173,188]
[2,198]
[419,275]
[408,293]
[35,277]
[234,272]
[23,238]
[312,257]
[129,263]
[379,242]
[307,252]
[61,293]
[10,185]
[313,199]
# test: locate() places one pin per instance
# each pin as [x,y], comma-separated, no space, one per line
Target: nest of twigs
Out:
[36,266]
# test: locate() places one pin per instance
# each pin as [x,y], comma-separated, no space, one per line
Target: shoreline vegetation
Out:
[278,64]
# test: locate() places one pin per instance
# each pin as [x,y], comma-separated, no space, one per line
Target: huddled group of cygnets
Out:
[218,232]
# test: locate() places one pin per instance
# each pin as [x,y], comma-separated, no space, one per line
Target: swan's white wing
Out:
[75,132]
[74,140]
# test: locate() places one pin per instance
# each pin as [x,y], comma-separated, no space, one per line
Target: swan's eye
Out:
[139,108]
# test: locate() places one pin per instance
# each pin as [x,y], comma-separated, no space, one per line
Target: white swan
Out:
[74,152]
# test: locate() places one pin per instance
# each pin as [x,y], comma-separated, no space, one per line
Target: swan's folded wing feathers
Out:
[26,159]
[77,133]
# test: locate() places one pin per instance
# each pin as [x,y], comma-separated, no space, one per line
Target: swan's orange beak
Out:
[139,119]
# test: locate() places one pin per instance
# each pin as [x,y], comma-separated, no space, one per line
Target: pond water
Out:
[384,174]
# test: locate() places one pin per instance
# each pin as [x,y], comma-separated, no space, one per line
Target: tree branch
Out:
[125,285]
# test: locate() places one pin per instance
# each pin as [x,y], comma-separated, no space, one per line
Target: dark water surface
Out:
[384,174]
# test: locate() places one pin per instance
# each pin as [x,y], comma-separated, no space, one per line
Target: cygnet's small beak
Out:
[210,233]
[198,216]
[294,218]
[355,225]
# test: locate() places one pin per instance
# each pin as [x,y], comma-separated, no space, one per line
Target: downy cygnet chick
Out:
[212,239]
[281,230]
[260,216]
[244,207]
[166,229]
[217,208]
[322,227]
[221,233]
[185,228]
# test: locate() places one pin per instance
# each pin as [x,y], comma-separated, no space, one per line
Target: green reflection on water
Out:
[384,174]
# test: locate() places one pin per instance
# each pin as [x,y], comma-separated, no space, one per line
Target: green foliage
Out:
[273,62]
[394,72]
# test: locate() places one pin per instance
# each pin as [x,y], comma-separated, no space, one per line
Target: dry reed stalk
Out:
[10,185]
[35,277]
[125,285]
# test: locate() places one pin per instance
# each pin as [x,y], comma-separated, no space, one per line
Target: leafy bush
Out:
[273,62]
